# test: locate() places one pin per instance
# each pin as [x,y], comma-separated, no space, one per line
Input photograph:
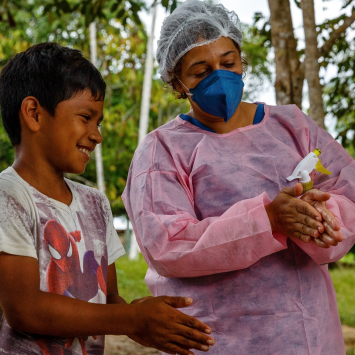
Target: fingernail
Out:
[188,300]
[318,219]
[319,229]
[210,342]
[208,331]
[205,348]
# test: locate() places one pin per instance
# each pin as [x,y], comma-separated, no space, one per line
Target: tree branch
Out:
[327,46]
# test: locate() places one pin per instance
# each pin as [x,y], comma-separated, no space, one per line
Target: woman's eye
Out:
[229,65]
[200,75]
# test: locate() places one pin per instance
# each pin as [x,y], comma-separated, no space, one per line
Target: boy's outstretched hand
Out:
[157,323]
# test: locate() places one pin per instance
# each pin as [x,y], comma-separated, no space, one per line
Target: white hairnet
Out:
[194,23]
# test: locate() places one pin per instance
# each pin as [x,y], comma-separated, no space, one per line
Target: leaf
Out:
[173,5]
[64,6]
[10,19]
[115,5]
[346,3]
[165,3]
[120,14]
[298,3]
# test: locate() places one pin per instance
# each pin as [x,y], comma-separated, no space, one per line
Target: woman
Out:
[216,218]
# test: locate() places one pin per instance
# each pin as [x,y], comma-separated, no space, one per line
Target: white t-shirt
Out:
[73,245]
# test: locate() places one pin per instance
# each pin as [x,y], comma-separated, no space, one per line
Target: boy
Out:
[57,242]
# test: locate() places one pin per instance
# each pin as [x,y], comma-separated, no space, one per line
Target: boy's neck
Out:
[43,177]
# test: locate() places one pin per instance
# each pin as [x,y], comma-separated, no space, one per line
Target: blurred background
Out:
[298,51]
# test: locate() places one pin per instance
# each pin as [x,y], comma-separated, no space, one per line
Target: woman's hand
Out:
[331,235]
[294,217]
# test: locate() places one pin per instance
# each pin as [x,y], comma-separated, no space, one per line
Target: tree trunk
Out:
[98,151]
[316,109]
[289,69]
[147,81]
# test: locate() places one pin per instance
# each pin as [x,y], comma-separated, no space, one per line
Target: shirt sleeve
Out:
[16,226]
[340,185]
[115,248]
[176,243]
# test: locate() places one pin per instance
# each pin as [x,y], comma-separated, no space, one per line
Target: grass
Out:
[344,282]
[351,351]
[130,278]
[131,285]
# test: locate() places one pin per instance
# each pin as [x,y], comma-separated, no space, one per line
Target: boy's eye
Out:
[86,117]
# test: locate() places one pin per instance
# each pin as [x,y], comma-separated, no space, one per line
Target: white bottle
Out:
[305,167]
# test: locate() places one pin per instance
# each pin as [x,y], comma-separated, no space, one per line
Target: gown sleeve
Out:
[340,185]
[160,205]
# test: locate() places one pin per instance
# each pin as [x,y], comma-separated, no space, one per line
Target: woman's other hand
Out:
[294,217]
[330,236]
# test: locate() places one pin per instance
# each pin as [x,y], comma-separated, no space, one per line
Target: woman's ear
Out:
[31,112]
[177,85]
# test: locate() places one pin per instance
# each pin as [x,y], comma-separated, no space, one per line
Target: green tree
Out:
[294,65]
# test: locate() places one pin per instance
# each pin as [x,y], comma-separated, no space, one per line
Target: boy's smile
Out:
[72,134]
[85,151]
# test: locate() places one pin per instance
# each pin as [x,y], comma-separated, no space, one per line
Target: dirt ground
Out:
[349,336]
[121,345]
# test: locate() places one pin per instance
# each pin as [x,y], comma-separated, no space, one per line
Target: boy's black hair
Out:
[49,72]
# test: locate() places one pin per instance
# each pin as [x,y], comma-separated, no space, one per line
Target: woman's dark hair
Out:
[177,71]
[49,72]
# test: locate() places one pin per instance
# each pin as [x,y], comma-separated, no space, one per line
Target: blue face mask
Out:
[219,93]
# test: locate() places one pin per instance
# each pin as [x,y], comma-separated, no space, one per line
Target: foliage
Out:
[348,259]
[256,53]
[344,283]
[97,9]
[6,151]
[130,278]
[340,91]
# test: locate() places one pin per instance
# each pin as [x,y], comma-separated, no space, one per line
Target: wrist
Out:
[268,209]
[120,320]
[129,319]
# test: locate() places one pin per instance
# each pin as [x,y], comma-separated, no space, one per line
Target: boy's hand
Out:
[159,325]
[330,235]
[140,300]
[294,217]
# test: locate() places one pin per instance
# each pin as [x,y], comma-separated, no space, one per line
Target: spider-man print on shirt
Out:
[64,274]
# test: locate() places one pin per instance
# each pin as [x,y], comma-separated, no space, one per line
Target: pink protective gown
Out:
[196,200]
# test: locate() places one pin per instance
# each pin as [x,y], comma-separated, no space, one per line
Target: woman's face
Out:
[201,61]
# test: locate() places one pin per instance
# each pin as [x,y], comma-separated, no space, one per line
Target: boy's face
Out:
[72,134]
